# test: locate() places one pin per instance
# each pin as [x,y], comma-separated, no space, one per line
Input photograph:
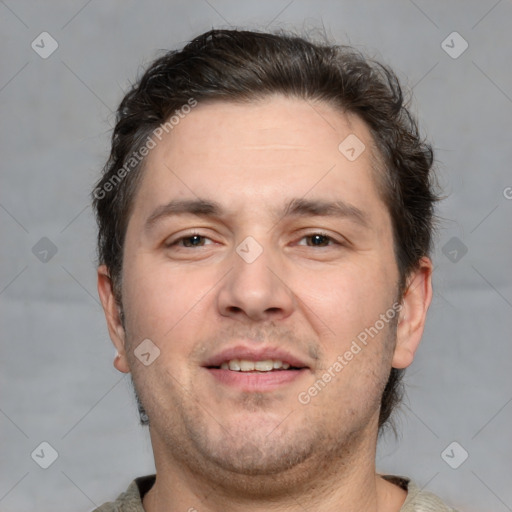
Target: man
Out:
[265,222]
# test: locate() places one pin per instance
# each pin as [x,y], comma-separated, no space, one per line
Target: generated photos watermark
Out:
[137,156]
[344,359]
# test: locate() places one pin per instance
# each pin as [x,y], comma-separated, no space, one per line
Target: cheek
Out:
[161,301]
[149,298]
[347,299]
[164,307]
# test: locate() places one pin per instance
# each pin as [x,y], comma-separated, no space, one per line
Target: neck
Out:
[327,482]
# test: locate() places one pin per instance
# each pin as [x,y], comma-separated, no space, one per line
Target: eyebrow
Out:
[296,207]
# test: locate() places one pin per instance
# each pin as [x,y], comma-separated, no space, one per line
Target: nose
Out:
[256,289]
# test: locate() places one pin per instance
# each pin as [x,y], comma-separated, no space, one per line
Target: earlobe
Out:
[113,318]
[411,323]
[121,363]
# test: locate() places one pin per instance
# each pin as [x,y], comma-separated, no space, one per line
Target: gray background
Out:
[57,380]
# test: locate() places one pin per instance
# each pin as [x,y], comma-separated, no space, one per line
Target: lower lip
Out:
[254,381]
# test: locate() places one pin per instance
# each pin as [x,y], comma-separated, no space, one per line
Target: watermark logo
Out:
[351,147]
[44,250]
[454,45]
[44,45]
[44,455]
[146,352]
[454,455]
[454,249]
[249,249]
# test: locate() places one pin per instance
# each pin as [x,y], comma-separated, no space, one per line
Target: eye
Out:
[188,241]
[319,240]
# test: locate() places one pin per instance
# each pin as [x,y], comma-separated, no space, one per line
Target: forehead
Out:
[290,127]
[252,154]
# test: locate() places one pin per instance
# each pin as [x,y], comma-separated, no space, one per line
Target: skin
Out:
[217,447]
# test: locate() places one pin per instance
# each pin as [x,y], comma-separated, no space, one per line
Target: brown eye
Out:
[190,241]
[319,240]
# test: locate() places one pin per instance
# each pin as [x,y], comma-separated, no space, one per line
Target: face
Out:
[255,243]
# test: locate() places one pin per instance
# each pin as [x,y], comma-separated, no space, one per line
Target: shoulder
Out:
[418,500]
[423,501]
[131,499]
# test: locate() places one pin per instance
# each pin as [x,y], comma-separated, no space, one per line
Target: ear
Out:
[415,303]
[113,317]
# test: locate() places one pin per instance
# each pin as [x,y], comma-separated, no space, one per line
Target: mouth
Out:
[262,366]
[250,372]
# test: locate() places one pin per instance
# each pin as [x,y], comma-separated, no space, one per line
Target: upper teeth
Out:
[243,365]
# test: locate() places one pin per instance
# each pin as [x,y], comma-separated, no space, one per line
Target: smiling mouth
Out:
[263,366]
[250,376]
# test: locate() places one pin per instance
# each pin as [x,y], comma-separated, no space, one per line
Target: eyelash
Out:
[310,235]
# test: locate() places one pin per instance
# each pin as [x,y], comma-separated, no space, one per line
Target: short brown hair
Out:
[243,66]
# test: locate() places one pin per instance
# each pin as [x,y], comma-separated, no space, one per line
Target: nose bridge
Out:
[254,287]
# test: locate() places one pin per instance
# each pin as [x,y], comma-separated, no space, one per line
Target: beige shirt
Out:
[416,501]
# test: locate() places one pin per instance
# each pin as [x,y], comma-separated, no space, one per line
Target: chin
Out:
[258,443]
[259,459]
